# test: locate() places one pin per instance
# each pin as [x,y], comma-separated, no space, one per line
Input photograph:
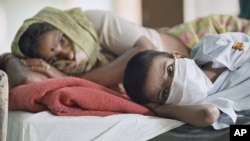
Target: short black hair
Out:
[29,40]
[136,72]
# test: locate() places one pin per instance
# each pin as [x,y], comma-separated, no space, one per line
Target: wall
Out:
[129,9]
[162,13]
[15,12]
[201,8]
[3,26]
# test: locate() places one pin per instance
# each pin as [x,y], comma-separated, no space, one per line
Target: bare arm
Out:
[200,115]
[19,74]
[112,73]
[31,70]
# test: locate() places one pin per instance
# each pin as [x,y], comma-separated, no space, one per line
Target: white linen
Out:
[44,126]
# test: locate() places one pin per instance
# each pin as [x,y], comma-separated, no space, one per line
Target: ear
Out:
[178,54]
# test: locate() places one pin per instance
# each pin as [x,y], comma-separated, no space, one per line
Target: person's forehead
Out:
[47,41]
[48,37]
[154,78]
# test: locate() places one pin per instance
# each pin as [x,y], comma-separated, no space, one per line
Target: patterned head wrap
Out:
[75,25]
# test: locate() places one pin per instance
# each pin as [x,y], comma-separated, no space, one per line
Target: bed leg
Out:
[4,92]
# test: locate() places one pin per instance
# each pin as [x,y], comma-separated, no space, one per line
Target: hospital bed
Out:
[46,126]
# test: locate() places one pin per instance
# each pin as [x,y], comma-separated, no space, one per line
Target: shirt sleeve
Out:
[115,33]
[221,49]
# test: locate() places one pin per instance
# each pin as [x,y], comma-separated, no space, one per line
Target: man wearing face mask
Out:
[208,89]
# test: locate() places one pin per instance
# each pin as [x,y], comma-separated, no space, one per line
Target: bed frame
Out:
[4,90]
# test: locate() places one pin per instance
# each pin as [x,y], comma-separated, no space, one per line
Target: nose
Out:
[65,53]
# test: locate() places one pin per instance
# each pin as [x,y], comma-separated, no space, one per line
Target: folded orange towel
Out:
[71,96]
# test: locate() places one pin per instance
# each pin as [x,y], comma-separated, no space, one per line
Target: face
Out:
[54,45]
[159,79]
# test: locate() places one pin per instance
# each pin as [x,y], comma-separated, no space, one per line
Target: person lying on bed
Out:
[56,43]
[196,89]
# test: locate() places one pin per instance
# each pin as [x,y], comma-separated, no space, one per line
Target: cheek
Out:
[69,44]
[151,90]
[169,82]
[45,53]
[70,48]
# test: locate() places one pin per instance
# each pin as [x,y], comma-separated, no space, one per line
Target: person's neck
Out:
[212,73]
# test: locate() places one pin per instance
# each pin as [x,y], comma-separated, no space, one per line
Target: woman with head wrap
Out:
[56,43]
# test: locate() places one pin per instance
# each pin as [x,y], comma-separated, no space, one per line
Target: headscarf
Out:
[190,84]
[75,25]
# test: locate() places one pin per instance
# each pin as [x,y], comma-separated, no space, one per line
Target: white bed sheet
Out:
[43,126]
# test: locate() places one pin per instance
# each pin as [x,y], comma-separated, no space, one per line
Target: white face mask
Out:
[190,85]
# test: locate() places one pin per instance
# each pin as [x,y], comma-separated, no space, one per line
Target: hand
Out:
[152,105]
[19,74]
[39,65]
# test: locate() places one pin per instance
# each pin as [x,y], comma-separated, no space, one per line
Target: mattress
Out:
[43,126]
[188,132]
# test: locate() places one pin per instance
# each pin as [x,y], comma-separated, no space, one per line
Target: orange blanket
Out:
[71,96]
